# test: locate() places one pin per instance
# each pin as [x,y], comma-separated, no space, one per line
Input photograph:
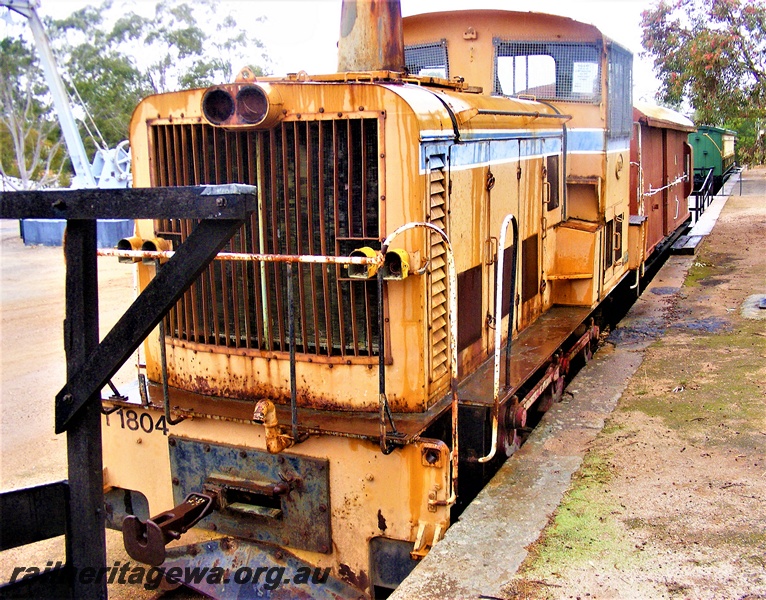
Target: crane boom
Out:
[69,129]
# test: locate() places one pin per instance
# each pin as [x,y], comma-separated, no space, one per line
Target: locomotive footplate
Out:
[353,424]
[281,499]
[532,349]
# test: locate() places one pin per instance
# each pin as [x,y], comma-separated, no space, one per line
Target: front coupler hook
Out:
[145,542]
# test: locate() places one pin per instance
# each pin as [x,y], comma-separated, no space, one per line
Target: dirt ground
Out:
[671,499]
[33,370]
[32,359]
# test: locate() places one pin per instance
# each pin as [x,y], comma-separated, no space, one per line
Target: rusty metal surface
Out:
[145,540]
[238,569]
[355,424]
[319,183]
[531,350]
[533,347]
[371,36]
[252,500]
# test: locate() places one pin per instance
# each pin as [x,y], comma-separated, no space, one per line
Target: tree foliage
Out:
[112,59]
[711,54]
[29,137]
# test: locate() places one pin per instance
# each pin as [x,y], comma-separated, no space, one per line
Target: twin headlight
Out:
[396,264]
[238,104]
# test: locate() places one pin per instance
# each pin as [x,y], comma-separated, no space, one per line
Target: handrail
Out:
[251,257]
[704,193]
[509,219]
[453,344]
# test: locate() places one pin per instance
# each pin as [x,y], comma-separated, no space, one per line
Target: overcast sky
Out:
[302,34]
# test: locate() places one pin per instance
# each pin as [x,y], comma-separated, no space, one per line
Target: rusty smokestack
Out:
[371,36]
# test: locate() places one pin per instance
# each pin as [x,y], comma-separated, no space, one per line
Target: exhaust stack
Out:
[371,36]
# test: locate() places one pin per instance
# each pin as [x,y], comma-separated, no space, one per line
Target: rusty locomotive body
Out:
[433,228]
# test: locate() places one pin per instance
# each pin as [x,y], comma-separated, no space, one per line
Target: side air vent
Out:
[437,272]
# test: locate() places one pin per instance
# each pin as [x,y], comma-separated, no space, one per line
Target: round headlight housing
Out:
[217,106]
[252,104]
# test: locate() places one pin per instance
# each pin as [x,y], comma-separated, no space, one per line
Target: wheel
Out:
[122,158]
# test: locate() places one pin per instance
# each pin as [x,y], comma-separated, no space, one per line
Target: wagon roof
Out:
[660,116]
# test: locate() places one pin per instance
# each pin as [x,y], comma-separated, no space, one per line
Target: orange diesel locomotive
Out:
[436,225]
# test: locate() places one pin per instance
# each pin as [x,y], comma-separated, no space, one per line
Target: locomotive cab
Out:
[576,69]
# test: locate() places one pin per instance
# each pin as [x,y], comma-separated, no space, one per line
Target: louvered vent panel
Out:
[439,300]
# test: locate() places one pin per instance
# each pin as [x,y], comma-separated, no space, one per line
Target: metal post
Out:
[85,540]
[291,335]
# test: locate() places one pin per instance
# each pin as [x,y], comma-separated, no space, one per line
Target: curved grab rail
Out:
[453,344]
[509,220]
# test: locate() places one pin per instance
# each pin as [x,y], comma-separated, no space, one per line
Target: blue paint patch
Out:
[482,152]
[585,140]
[620,144]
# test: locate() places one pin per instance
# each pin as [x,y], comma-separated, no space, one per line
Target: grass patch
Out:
[700,269]
[584,529]
[693,382]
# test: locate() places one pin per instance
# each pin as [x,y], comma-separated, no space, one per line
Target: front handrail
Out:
[509,220]
[452,275]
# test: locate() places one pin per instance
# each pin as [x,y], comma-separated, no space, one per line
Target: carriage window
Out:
[427,60]
[548,70]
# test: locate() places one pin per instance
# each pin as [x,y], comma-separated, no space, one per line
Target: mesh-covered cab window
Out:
[548,70]
[427,60]
[620,92]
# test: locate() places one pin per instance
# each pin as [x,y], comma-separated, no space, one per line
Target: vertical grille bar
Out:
[300,201]
[336,234]
[310,200]
[350,227]
[323,243]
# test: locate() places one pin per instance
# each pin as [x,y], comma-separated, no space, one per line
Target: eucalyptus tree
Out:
[712,54]
[111,59]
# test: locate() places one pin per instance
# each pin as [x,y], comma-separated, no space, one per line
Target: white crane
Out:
[110,167]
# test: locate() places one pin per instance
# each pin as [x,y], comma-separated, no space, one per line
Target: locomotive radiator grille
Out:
[437,215]
[318,194]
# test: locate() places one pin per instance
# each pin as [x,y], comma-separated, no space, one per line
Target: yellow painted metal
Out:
[363,271]
[392,495]
[469,36]
[397,265]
